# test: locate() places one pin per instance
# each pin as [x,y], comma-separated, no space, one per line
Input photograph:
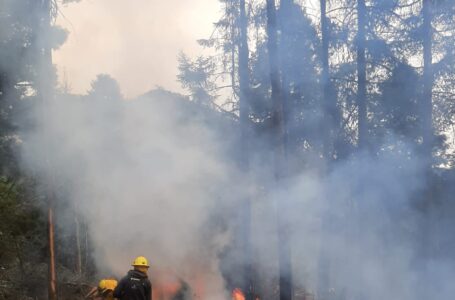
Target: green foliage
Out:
[196,77]
[394,66]
[21,223]
[400,117]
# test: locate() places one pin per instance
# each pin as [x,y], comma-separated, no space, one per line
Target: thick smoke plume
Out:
[150,178]
[159,176]
[154,178]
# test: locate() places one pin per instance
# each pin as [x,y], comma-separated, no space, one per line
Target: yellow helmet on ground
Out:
[140,261]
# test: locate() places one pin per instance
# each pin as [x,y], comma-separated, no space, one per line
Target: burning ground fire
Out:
[237,294]
[169,286]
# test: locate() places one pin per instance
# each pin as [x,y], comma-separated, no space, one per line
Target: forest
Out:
[311,156]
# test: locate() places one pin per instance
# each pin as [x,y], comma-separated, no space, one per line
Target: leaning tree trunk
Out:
[361,74]
[244,112]
[279,144]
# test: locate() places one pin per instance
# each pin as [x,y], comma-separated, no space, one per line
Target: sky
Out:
[135,41]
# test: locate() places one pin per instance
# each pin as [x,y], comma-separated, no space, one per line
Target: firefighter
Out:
[104,290]
[135,285]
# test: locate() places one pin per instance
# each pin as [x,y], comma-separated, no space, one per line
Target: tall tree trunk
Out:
[45,90]
[426,111]
[279,144]
[244,80]
[244,112]
[331,116]
[233,59]
[428,81]
[361,75]
[325,73]
[286,27]
[52,287]
[329,107]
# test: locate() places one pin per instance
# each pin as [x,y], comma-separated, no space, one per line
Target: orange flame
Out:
[237,294]
[165,285]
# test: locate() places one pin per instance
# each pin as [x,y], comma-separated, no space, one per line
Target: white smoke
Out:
[150,177]
[361,216]
[156,177]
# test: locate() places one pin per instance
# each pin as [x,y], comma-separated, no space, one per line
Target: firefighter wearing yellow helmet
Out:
[104,290]
[136,284]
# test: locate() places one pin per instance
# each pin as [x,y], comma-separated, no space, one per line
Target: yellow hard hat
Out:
[140,261]
[107,284]
[102,284]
